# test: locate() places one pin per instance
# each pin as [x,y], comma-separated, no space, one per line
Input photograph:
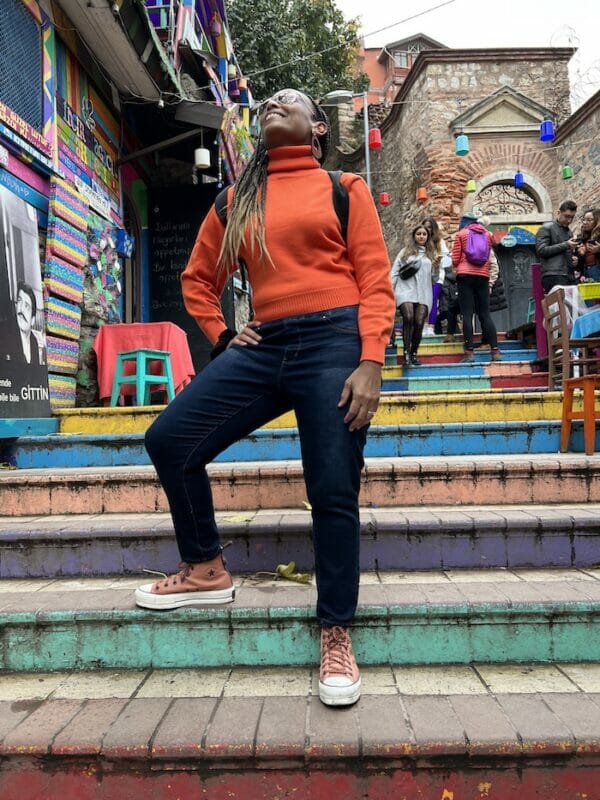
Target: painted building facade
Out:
[498,98]
[102,112]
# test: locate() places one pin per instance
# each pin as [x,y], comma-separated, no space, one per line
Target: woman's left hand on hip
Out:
[362,388]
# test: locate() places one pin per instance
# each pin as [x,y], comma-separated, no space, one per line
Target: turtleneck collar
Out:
[291,159]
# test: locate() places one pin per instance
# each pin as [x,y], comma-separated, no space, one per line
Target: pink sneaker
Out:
[339,679]
[203,584]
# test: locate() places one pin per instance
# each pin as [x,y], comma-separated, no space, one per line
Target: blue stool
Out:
[142,378]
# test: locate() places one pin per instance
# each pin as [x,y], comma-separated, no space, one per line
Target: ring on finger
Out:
[370,413]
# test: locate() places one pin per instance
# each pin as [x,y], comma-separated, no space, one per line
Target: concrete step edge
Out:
[299,732]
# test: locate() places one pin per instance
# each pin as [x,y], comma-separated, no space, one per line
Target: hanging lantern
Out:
[422,194]
[471,185]
[243,84]
[231,71]
[384,198]
[519,179]
[462,145]
[215,25]
[374,139]
[201,158]
[547,131]
[567,172]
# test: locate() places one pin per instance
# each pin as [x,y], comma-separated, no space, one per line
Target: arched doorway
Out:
[514,213]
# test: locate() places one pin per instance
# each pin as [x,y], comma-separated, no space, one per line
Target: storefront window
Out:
[21,62]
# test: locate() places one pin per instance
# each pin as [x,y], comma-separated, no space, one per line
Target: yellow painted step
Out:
[395,409]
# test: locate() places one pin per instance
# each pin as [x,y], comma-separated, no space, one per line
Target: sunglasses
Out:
[287,97]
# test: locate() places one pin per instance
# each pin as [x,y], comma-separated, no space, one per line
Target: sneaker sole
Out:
[339,695]
[164,602]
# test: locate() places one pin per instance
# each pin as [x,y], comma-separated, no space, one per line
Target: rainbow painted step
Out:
[469,740]
[394,409]
[426,481]
[464,382]
[273,444]
[493,369]
[408,539]
[270,624]
[431,355]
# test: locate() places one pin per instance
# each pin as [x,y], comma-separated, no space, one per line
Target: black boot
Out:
[406,360]
[414,360]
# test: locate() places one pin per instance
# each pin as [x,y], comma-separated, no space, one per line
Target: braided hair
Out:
[246,217]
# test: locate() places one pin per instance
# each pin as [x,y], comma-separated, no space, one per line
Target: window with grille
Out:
[21,62]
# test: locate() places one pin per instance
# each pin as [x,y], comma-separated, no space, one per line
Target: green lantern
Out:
[567,172]
[471,185]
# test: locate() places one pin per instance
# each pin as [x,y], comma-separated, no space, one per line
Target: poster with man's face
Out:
[23,366]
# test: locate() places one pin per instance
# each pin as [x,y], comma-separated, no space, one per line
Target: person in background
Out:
[324,310]
[448,307]
[472,254]
[588,246]
[556,246]
[411,279]
[439,266]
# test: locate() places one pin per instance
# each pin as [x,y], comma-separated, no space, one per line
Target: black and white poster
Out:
[23,366]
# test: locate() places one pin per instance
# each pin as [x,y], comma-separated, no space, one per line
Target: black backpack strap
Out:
[341,201]
[221,205]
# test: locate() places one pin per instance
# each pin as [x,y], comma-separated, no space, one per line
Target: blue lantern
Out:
[547,131]
[462,145]
[519,179]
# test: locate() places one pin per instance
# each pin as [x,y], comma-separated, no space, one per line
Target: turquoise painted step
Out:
[471,438]
[457,383]
[12,428]
[273,625]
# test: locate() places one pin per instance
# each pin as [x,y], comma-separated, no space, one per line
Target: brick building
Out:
[498,97]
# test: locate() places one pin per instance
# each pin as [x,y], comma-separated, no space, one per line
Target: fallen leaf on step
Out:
[307,505]
[288,572]
[239,518]
[6,465]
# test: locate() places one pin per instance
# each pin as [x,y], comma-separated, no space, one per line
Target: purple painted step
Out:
[392,538]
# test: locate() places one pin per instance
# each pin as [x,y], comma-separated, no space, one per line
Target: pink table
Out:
[113,339]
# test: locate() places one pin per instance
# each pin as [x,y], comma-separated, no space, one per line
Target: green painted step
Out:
[500,617]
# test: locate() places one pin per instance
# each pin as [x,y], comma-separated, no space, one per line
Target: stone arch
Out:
[532,187]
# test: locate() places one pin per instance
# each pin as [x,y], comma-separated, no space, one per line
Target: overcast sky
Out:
[494,23]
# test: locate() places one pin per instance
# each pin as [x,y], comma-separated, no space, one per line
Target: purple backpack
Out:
[477,250]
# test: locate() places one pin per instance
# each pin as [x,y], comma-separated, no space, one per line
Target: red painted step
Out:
[456,747]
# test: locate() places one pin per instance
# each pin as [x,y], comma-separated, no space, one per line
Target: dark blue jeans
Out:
[474,298]
[300,364]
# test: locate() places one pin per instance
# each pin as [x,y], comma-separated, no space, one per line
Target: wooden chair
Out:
[588,385]
[561,361]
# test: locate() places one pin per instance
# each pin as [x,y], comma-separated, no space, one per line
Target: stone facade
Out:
[580,140]
[525,85]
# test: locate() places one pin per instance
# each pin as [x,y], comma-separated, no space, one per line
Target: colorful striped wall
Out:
[66,255]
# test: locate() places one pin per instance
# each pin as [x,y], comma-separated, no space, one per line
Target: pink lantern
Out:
[374,139]
[384,198]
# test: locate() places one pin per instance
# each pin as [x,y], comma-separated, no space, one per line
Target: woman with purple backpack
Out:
[471,255]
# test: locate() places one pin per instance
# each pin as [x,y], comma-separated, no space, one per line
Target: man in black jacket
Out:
[555,246]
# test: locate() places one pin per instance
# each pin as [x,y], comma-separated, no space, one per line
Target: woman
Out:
[413,292]
[324,310]
[440,264]
[588,249]
[472,257]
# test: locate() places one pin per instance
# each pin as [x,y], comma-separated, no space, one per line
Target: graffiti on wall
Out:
[104,270]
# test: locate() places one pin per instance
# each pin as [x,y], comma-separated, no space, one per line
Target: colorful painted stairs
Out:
[480,548]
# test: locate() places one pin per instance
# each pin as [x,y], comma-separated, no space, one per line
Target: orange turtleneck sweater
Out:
[312,269]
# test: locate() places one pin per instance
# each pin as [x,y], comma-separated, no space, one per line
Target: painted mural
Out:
[103,271]
[88,137]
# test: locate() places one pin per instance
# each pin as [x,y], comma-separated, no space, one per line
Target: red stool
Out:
[588,385]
